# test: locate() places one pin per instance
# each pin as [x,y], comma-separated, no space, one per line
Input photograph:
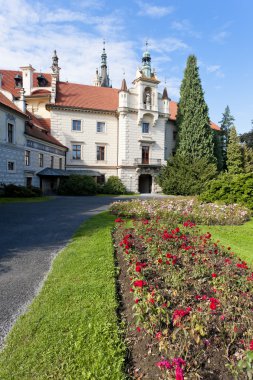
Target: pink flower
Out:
[164,364]
[158,335]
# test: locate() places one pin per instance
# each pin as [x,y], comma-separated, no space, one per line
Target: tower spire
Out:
[146,62]
[105,80]
[55,67]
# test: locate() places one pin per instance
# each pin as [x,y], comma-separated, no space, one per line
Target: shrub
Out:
[114,185]
[77,185]
[21,191]
[230,188]
[180,210]
[181,177]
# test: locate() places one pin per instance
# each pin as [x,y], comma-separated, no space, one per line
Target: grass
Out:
[71,331]
[239,238]
[25,200]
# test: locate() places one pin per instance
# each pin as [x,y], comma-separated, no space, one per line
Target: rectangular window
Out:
[76,125]
[145,155]
[10,133]
[100,127]
[101,179]
[76,152]
[100,153]
[60,163]
[52,162]
[41,160]
[27,158]
[10,166]
[145,127]
[29,182]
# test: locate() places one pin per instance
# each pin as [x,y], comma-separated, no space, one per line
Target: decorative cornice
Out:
[50,106]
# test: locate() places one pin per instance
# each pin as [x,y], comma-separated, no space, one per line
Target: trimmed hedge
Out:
[114,185]
[230,188]
[77,185]
[14,191]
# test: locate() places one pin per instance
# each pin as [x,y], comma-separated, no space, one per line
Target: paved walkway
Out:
[31,234]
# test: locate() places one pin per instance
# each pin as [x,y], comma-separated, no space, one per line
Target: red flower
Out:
[136,300]
[138,268]
[242,265]
[214,275]
[160,261]
[251,345]
[139,283]
[138,329]
[214,302]
[158,335]
[152,300]
[118,220]
[180,313]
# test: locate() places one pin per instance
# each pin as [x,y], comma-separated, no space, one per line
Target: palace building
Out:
[59,128]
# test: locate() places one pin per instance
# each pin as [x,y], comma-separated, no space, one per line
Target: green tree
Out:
[218,151]
[234,153]
[195,138]
[247,154]
[247,137]
[182,176]
[226,123]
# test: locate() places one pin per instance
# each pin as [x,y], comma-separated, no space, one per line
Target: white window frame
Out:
[13,132]
[28,162]
[105,152]
[81,126]
[81,151]
[14,164]
[41,158]
[104,131]
[142,125]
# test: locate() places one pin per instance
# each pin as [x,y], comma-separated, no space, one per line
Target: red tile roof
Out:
[40,129]
[8,82]
[41,92]
[39,122]
[88,97]
[8,103]
[41,134]
[173,115]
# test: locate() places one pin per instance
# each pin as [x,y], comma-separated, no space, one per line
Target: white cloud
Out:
[215,69]
[221,37]
[167,45]
[185,27]
[147,9]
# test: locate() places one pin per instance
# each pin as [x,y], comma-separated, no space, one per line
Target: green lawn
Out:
[71,331]
[33,199]
[239,238]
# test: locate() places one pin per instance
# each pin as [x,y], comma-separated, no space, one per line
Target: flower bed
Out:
[181,210]
[188,302]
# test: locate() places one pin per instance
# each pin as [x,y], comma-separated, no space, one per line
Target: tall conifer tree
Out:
[195,139]
[227,122]
[234,153]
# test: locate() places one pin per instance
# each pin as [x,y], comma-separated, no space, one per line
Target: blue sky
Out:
[219,33]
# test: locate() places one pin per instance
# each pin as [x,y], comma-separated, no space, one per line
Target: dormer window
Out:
[42,82]
[18,81]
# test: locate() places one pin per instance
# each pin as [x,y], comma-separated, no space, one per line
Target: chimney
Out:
[27,74]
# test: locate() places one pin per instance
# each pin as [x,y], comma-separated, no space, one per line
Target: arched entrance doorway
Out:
[145,183]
